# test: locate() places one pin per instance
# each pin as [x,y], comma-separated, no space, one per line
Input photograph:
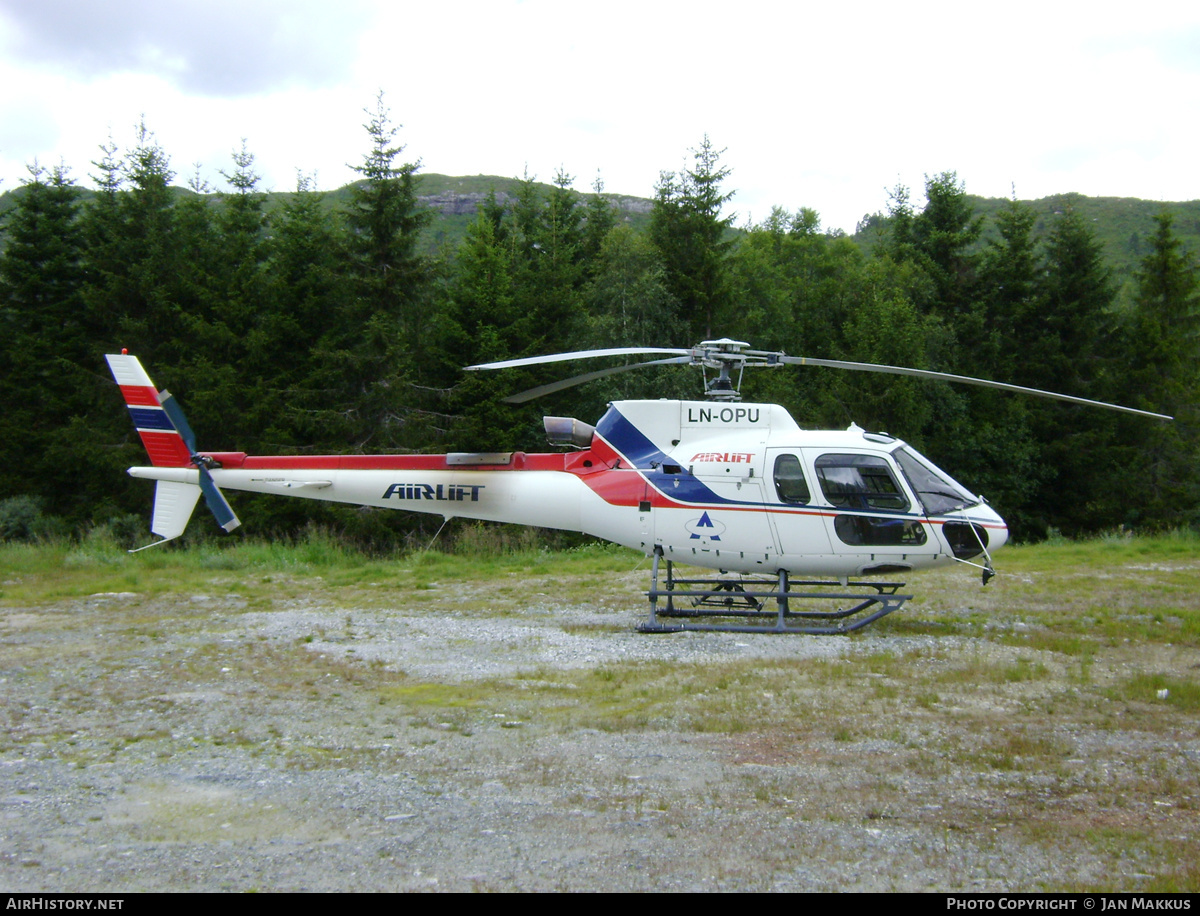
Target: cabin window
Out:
[790,485]
[874,531]
[860,482]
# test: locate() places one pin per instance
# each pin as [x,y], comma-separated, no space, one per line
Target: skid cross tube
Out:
[746,599]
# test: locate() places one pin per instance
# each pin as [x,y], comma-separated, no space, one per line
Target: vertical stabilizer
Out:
[170,442]
[164,444]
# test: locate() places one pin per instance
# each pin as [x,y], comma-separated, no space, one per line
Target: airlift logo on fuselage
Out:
[723,414]
[444,492]
[723,457]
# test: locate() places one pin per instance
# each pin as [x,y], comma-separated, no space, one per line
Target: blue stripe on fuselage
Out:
[648,458]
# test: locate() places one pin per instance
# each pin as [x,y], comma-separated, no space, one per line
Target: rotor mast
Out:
[722,355]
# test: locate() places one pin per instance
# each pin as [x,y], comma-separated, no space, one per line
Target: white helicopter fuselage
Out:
[729,486]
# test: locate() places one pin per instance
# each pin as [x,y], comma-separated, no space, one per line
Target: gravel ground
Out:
[207,743]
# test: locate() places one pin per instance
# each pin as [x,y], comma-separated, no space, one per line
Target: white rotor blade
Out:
[541,390]
[578,354]
[965,380]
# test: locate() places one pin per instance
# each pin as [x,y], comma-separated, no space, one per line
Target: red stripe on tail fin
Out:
[165,449]
[164,445]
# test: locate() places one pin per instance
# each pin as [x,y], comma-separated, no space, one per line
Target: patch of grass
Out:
[1159,688]
[1020,751]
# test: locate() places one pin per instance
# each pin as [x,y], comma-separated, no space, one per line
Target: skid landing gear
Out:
[726,601]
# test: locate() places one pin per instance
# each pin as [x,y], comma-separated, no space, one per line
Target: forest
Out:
[310,325]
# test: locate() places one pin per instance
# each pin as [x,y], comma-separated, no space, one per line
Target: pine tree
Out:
[50,383]
[690,233]
[371,354]
[1164,340]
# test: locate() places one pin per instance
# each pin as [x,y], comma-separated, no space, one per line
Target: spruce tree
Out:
[692,235]
[306,292]
[50,385]
[599,219]
[482,322]
[1065,344]
[1164,336]
[372,353]
[385,221]
[133,259]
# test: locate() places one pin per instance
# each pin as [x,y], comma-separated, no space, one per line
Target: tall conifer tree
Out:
[691,234]
[1165,350]
[372,353]
[48,387]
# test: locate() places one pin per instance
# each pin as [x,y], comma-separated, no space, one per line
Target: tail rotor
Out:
[217,504]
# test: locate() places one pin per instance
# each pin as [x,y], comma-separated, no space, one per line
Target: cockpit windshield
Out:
[938,491]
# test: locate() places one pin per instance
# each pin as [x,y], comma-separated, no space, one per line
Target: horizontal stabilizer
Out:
[173,505]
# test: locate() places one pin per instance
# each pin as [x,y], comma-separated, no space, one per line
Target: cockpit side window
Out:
[938,492]
[790,485]
[860,482]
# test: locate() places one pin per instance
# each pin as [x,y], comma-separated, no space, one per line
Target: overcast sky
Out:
[817,105]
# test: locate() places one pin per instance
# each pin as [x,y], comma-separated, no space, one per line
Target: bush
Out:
[21,519]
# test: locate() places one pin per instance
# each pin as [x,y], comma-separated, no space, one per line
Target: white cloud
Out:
[203,47]
[817,105]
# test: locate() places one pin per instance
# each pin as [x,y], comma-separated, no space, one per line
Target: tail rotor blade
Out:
[175,414]
[217,504]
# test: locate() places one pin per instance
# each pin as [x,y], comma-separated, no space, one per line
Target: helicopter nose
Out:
[999,534]
[974,530]
[997,528]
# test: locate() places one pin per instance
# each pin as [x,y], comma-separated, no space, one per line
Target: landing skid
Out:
[728,600]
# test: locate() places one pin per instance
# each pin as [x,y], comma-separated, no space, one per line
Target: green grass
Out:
[1070,596]
[33,574]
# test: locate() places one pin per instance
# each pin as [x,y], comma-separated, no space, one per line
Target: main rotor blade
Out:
[964,380]
[578,354]
[541,390]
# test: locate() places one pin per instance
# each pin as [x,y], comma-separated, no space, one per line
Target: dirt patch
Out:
[208,743]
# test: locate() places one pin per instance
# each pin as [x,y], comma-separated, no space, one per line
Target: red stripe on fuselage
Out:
[520,461]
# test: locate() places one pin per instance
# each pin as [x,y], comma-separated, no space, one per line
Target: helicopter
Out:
[785,516]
